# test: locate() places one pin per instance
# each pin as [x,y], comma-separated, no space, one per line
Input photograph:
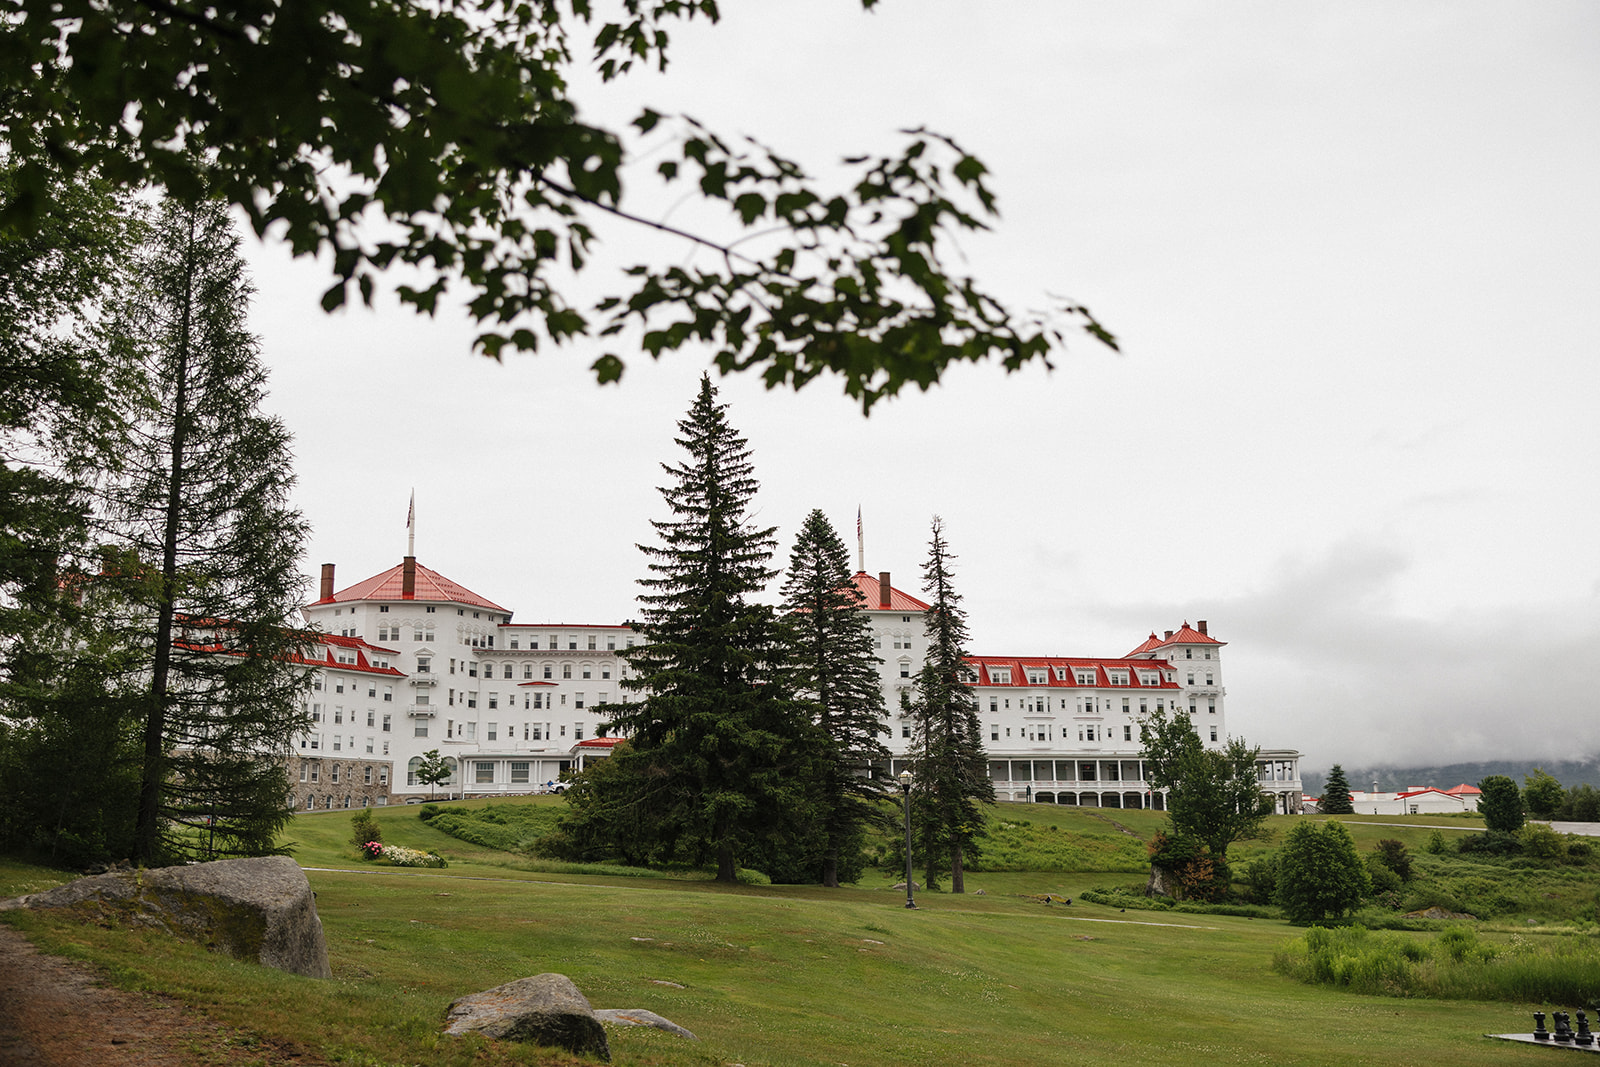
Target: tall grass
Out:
[1455,965]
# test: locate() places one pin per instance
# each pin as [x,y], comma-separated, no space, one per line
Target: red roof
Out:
[898,601]
[1464,790]
[362,664]
[354,642]
[1185,635]
[430,585]
[600,742]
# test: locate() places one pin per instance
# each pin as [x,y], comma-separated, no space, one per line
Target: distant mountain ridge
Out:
[1392,779]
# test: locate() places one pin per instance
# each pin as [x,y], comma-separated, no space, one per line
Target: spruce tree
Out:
[210,576]
[723,750]
[836,672]
[1336,794]
[948,761]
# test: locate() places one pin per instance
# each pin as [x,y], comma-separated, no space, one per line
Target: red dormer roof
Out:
[1055,666]
[430,586]
[354,642]
[599,742]
[898,601]
[1465,790]
[362,664]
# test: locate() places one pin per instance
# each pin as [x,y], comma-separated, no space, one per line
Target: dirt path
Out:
[56,1013]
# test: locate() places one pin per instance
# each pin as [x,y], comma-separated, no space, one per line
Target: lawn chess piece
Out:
[1583,1036]
[1539,1032]
[1563,1028]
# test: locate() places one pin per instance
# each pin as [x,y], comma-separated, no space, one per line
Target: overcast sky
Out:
[1352,253]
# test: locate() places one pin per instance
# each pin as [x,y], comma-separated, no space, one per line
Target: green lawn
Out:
[785,975]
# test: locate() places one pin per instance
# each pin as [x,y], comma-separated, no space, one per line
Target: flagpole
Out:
[411,525]
[861,544]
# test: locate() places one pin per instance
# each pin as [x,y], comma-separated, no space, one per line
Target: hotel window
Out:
[566,670]
[483,771]
[508,670]
[494,730]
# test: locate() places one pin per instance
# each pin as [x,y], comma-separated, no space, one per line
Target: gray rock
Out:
[546,1009]
[258,909]
[641,1017]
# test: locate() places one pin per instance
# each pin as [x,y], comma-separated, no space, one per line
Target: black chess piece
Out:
[1584,1036]
[1563,1028]
[1539,1032]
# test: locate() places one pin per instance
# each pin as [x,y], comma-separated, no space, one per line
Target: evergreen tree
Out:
[1501,804]
[210,580]
[1336,794]
[724,752]
[836,671]
[947,756]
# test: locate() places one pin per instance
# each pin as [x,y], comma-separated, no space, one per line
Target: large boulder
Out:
[546,1009]
[253,909]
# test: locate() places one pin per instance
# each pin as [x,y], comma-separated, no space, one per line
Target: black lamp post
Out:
[905,794]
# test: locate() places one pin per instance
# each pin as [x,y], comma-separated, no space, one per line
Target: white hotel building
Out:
[412,661]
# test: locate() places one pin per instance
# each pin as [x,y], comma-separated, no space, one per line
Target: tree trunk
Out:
[147,830]
[726,871]
[830,870]
[957,881]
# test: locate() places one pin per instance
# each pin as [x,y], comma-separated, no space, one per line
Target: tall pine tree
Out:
[720,746]
[948,761]
[1336,794]
[836,672]
[210,579]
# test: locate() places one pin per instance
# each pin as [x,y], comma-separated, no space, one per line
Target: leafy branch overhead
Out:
[445,138]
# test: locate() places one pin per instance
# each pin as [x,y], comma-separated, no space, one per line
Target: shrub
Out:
[1540,842]
[1579,851]
[1195,874]
[1455,965]
[366,829]
[1437,845]
[410,857]
[745,876]
[1262,877]
[1394,856]
[1490,842]
[1382,878]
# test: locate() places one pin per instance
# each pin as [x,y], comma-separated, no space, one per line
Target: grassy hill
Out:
[791,974]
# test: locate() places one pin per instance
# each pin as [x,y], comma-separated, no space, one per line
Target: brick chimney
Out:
[1202,625]
[883,589]
[326,591]
[1169,635]
[408,578]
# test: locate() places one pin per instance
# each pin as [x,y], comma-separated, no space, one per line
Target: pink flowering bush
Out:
[372,849]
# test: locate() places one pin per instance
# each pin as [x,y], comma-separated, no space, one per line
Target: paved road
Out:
[1582,829]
